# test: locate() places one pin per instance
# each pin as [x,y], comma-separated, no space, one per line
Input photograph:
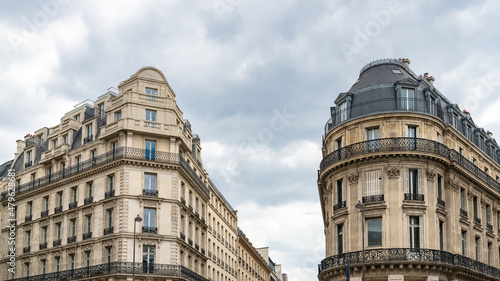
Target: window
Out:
[29,156]
[110,217]
[455,120]
[54,143]
[374,232]
[432,106]
[397,71]
[89,130]
[406,100]
[46,203]
[474,161]
[148,258]
[439,137]
[441,235]
[44,234]
[74,193]
[60,198]
[440,187]
[411,132]
[413,181]
[109,254]
[72,261]
[372,135]
[151,91]
[114,148]
[461,151]
[150,150]
[77,118]
[44,264]
[463,199]
[414,232]
[27,265]
[340,238]
[340,191]
[58,264]
[343,111]
[475,206]
[149,217]
[65,139]
[490,253]
[498,222]
[488,214]
[150,115]
[30,208]
[464,243]
[28,238]
[73,227]
[58,231]
[118,115]
[90,189]
[89,223]
[486,170]
[111,182]
[478,248]
[87,258]
[372,180]
[149,181]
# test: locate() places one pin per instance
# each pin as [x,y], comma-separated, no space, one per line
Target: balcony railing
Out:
[202,251]
[28,164]
[108,230]
[183,201]
[26,249]
[87,235]
[464,213]
[88,200]
[88,139]
[477,221]
[109,194]
[44,214]
[196,246]
[56,243]
[183,236]
[73,205]
[28,218]
[72,239]
[413,256]
[339,206]
[43,246]
[414,197]
[57,210]
[407,144]
[489,227]
[190,241]
[373,198]
[441,203]
[149,229]
[122,268]
[150,192]
[119,153]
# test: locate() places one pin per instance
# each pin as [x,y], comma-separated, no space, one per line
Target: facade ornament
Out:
[453,184]
[325,200]
[353,177]
[393,172]
[431,175]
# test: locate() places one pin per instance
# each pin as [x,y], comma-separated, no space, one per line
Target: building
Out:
[252,266]
[411,179]
[118,180]
[276,274]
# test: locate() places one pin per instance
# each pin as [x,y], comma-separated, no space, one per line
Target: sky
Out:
[255,79]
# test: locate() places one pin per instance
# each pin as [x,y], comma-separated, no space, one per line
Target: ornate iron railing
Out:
[477,221]
[339,206]
[88,200]
[464,213]
[183,201]
[190,241]
[44,214]
[28,218]
[58,210]
[109,194]
[26,249]
[72,239]
[405,255]
[183,236]
[489,227]
[406,144]
[414,197]
[56,243]
[108,230]
[149,229]
[73,205]
[373,198]
[150,192]
[43,246]
[441,203]
[117,268]
[87,235]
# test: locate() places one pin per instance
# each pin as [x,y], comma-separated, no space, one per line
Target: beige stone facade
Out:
[430,193]
[252,267]
[80,185]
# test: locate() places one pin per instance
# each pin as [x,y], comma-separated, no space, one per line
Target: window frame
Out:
[379,220]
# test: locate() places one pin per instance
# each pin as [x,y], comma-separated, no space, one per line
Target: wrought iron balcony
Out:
[26,249]
[405,255]
[44,214]
[183,236]
[149,229]
[203,220]
[373,198]
[464,213]
[489,227]
[88,139]
[477,221]
[441,203]
[190,208]
[414,197]
[202,251]
[197,214]
[43,246]
[150,192]
[109,194]
[108,230]
[28,218]
[56,243]
[88,200]
[190,242]
[87,235]
[183,201]
[73,205]
[57,210]
[28,164]
[72,239]
[339,206]
[172,272]
[196,246]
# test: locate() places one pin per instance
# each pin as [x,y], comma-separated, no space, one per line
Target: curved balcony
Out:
[404,256]
[406,144]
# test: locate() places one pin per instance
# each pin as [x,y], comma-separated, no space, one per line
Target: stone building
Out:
[117,179]
[411,179]
[252,267]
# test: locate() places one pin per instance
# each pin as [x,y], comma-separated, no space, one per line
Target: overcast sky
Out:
[255,78]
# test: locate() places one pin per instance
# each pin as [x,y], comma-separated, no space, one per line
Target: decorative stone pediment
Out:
[353,177]
[393,172]
[431,175]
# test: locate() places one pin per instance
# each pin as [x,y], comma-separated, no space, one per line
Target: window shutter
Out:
[378,182]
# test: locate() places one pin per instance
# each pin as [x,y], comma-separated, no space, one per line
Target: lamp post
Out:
[361,207]
[137,219]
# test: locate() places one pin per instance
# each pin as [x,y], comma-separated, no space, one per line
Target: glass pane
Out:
[374,227]
[152,217]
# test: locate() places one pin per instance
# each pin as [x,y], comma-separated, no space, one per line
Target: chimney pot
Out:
[406,62]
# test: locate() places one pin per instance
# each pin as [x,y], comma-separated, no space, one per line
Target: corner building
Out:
[81,184]
[417,174]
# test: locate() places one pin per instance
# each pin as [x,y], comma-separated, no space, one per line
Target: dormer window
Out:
[151,91]
[407,99]
[65,139]
[397,71]
[77,118]
[54,143]
[343,111]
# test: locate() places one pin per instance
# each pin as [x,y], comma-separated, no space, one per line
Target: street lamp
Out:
[361,207]
[137,219]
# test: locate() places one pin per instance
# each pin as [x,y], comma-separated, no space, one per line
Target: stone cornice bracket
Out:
[393,172]
[453,184]
[353,177]
[431,175]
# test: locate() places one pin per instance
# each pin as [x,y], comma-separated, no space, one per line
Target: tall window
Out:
[27,265]
[411,132]
[30,208]
[373,133]
[58,264]
[413,181]
[463,199]
[114,148]
[46,203]
[439,137]
[372,180]
[150,150]
[72,261]
[118,115]
[475,206]
[148,258]
[340,191]
[432,106]
[60,198]
[407,99]
[89,130]
[414,232]
[338,143]
[44,264]
[150,117]
[374,231]
[441,235]
[343,111]
[110,217]
[464,243]
[58,231]
[29,156]
[488,214]
[490,253]
[89,223]
[87,258]
[111,182]
[150,181]
[149,217]
[65,139]
[478,248]
[74,193]
[340,238]
[28,238]
[90,187]
[440,187]
[73,227]
[44,234]
[109,254]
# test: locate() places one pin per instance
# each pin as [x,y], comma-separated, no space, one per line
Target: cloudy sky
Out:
[255,78]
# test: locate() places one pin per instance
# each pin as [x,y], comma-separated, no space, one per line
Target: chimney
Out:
[406,62]
[20,147]
[430,79]
[466,113]
[490,134]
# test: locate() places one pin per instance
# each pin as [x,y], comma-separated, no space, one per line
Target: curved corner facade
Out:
[411,178]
